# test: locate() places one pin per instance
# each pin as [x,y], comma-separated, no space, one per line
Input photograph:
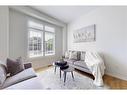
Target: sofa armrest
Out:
[27,65]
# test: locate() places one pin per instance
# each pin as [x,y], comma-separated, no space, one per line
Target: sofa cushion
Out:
[24,75]
[70,61]
[80,63]
[30,84]
[3,74]
[84,69]
[14,67]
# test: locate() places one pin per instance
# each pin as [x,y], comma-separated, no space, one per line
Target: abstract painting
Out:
[85,34]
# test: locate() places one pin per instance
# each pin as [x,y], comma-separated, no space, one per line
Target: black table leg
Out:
[64,77]
[60,73]
[55,70]
[72,75]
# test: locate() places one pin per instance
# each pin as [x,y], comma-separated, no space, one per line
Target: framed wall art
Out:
[85,34]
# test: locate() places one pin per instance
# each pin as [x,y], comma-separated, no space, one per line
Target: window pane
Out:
[49,43]
[35,43]
[50,29]
[35,25]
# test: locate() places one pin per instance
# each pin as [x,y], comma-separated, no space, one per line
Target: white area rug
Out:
[51,80]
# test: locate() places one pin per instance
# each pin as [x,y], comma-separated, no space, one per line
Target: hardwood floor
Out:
[43,69]
[112,82]
[115,83]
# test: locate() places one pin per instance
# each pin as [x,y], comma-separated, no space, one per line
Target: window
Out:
[35,39]
[37,32]
[50,29]
[49,40]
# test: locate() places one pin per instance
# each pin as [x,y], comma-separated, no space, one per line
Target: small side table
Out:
[59,64]
[70,69]
[55,67]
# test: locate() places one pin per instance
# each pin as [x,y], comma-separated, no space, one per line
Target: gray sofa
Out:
[94,66]
[26,74]
[79,62]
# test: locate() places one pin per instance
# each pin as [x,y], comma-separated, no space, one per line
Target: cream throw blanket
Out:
[96,65]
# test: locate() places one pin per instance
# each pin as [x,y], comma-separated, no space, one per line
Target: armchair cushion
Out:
[24,75]
[3,74]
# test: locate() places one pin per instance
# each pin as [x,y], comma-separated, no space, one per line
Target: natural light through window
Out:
[49,43]
[36,45]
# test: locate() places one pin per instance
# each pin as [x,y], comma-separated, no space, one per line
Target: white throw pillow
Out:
[67,54]
[82,57]
[73,55]
[3,74]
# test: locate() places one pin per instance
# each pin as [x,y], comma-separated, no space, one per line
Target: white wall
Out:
[64,39]
[111,37]
[18,40]
[42,16]
[4,23]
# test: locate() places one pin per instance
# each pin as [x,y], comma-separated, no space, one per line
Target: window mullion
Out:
[44,40]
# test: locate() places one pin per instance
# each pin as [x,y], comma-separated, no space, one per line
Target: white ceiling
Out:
[65,13]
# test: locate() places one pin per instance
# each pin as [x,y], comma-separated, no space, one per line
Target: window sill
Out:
[49,54]
[40,57]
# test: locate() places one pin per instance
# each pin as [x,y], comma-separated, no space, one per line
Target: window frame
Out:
[43,38]
[53,43]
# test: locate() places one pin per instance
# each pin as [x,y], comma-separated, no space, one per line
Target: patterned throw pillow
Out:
[73,55]
[82,57]
[3,73]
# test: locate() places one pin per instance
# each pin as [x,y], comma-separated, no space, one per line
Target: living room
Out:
[43,35]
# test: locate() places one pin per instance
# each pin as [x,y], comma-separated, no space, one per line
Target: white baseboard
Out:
[120,76]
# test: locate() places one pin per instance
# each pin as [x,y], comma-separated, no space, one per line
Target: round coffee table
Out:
[59,64]
[65,71]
